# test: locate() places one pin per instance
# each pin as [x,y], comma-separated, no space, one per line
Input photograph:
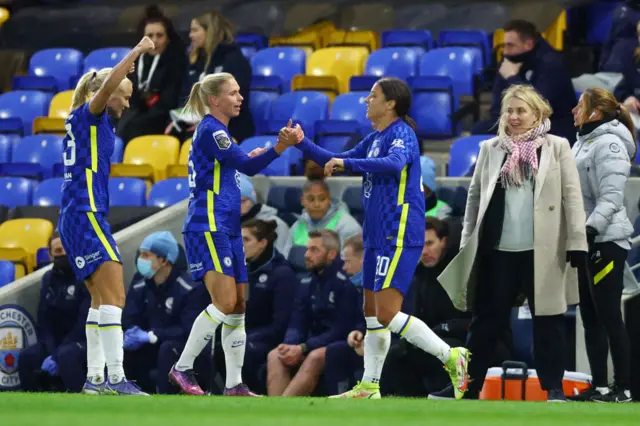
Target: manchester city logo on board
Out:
[17,332]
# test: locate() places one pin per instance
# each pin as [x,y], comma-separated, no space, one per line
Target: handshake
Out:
[289,135]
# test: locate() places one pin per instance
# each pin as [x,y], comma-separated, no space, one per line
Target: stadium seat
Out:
[18,109]
[20,239]
[59,109]
[42,257]
[498,44]
[283,62]
[341,62]
[352,197]
[280,166]
[554,34]
[327,84]
[464,153]
[599,21]
[48,213]
[257,41]
[107,57]
[48,192]
[184,152]
[264,91]
[147,157]
[6,145]
[180,170]
[419,40]
[7,272]
[308,41]
[461,64]
[118,151]
[45,83]
[333,135]
[4,15]
[296,258]
[285,198]
[168,192]
[127,192]
[351,106]
[15,191]
[302,107]
[467,38]
[34,156]
[433,107]
[400,62]
[366,39]
[61,64]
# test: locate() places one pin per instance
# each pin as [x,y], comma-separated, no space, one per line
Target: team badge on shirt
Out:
[222,139]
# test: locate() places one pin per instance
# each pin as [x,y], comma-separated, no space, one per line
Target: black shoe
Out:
[616,394]
[556,395]
[446,393]
[586,395]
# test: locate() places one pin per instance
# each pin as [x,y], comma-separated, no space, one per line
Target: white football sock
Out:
[95,353]
[202,332]
[112,336]
[234,337]
[376,346]
[419,334]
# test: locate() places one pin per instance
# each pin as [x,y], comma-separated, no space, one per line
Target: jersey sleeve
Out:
[217,144]
[397,157]
[322,156]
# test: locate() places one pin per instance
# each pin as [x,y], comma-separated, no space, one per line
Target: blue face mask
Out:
[356,279]
[145,269]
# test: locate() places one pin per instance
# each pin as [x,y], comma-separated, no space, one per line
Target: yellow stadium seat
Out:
[147,157]
[58,110]
[20,239]
[180,169]
[555,33]
[327,84]
[184,152]
[4,15]
[367,39]
[498,43]
[341,62]
[323,29]
[308,42]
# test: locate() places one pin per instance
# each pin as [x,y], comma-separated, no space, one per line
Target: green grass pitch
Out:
[67,410]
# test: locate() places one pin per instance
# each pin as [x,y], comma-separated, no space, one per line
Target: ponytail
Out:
[625,118]
[89,83]
[196,104]
[410,122]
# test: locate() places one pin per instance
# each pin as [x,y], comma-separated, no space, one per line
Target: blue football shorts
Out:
[215,251]
[389,267]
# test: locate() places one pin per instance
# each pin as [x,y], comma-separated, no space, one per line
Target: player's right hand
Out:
[145,45]
[288,135]
[355,339]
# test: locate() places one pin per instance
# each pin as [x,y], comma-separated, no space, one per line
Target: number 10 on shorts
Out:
[382,265]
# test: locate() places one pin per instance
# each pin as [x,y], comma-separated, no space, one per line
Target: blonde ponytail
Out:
[198,103]
[88,84]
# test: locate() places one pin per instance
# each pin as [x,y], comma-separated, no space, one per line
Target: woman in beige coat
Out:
[523,223]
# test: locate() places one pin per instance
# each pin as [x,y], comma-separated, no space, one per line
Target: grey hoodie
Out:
[346,226]
[269,213]
[604,158]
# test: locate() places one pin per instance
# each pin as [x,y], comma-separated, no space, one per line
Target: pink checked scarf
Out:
[522,156]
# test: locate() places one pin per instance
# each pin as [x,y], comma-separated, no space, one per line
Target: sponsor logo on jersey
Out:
[194,267]
[397,143]
[17,332]
[222,139]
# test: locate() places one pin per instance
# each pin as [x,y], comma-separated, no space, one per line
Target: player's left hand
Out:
[50,366]
[334,165]
[293,356]
[134,338]
[256,152]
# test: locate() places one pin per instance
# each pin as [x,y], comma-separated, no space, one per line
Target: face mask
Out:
[520,57]
[356,279]
[62,265]
[145,269]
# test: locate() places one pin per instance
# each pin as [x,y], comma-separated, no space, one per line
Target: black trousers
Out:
[600,297]
[503,276]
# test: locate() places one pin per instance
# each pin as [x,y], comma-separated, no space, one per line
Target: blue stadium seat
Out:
[279,167]
[351,106]
[264,91]
[599,20]
[461,64]
[6,146]
[34,156]
[248,52]
[118,151]
[285,198]
[60,63]
[257,41]
[15,191]
[333,135]
[464,153]
[45,83]
[400,62]
[7,272]
[468,38]
[420,40]
[19,108]
[433,106]
[107,57]
[48,192]
[283,62]
[42,257]
[168,192]
[352,197]
[127,192]
[303,107]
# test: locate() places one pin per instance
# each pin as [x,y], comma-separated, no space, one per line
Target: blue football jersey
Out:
[88,147]
[393,202]
[214,184]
